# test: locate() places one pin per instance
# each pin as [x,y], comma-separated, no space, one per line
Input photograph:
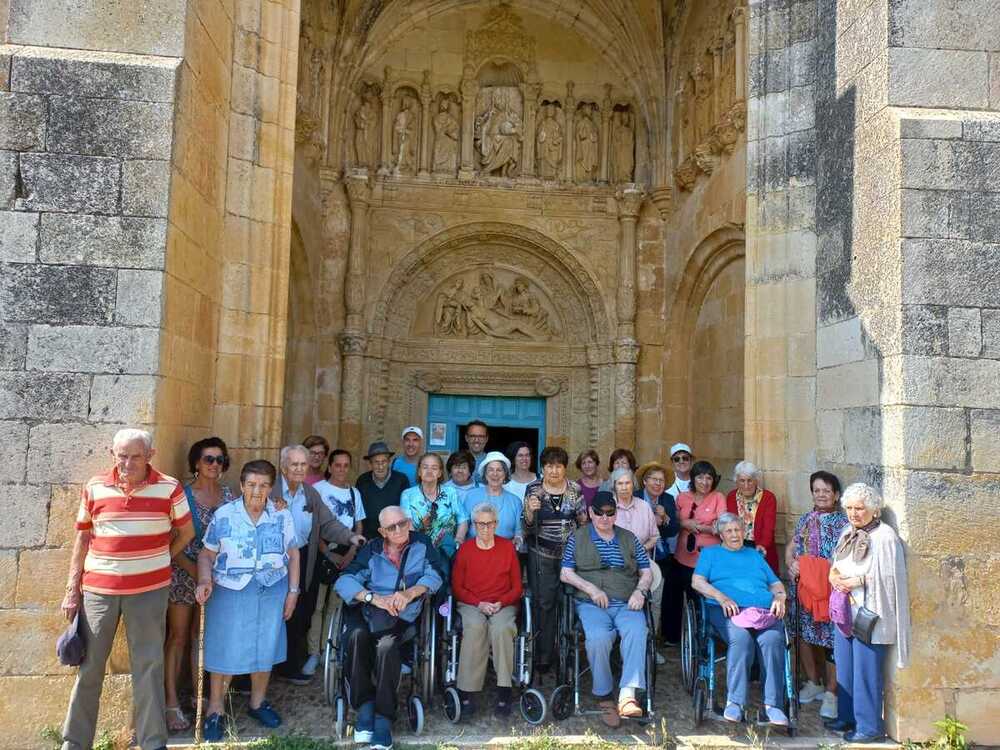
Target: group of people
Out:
[272,565]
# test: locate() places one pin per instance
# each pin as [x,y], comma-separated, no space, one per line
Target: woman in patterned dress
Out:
[816,536]
[208,460]
[434,507]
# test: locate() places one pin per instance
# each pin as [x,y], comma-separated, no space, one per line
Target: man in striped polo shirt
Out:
[132,521]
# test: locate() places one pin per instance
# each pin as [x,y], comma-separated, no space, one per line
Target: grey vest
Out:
[617,583]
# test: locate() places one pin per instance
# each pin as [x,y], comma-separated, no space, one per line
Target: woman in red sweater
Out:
[758,508]
[486,584]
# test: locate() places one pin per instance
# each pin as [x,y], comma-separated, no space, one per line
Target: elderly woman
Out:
[435,508]
[248,573]
[807,558]
[208,460]
[522,468]
[746,604]
[588,463]
[486,582]
[697,511]
[494,472]
[461,466]
[869,575]
[757,507]
[318,448]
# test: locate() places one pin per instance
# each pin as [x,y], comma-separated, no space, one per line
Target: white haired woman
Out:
[757,507]
[868,577]
[486,583]
[494,472]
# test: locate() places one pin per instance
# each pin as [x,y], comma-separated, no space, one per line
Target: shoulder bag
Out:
[380,621]
[865,620]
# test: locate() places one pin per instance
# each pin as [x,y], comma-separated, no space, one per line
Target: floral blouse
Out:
[447,512]
[246,550]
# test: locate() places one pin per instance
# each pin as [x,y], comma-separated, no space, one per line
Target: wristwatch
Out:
[368,597]
[293,589]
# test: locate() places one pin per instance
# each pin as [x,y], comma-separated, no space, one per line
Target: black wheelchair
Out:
[565,700]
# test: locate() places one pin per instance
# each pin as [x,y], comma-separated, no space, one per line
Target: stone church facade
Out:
[768,228]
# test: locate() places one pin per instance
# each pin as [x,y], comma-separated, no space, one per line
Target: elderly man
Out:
[682,459]
[413,449]
[380,487]
[477,434]
[611,571]
[388,577]
[313,521]
[132,521]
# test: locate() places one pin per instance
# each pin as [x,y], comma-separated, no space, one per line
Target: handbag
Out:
[864,622]
[327,571]
[380,621]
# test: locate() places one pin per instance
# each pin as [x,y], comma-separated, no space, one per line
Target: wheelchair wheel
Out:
[415,713]
[700,701]
[533,706]
[331,664]
[452,705]
[561,702]
[793,716]
[689,645]
[341,718]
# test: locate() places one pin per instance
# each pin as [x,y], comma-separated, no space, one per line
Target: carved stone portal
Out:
[476,305]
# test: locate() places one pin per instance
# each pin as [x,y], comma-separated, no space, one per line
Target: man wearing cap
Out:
[682,458]
[611,572]
[413,449]
[380,487]
[477,434]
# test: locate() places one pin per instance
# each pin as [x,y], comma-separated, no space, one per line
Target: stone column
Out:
[387,99]
[352,351]
[530,92]
[717,45]
[740,29]
[469,88]
[569,164]
[626,357]
[626,347]
[425,126]
[606,107]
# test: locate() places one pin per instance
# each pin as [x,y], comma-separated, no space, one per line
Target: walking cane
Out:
[200,689]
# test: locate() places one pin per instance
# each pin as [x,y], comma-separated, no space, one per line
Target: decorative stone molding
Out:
[428,382]
[352,343]
[548,386]
[502,35]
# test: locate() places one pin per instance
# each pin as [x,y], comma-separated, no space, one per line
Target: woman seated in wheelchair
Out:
[610,570]
[486,583]
[745,604]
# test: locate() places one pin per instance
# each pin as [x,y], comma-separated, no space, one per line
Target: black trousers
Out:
[373,666]
[676,580]
[297,627]
[543,574]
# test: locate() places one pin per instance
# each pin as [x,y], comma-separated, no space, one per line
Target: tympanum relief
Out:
[478,305]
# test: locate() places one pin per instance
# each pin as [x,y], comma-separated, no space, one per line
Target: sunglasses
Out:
[610,513]
[680,458]
[398,526]
[220,460]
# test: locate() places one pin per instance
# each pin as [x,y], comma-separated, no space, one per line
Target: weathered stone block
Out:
[127,399]
[945,78]
[924,330]
[965,332]
[9,175]
[985,430]
[921,437]
[145,188]
[6,55]
[995,81]
[18,236]
[840,343]
[853,384]
[41,577]
[935,213]
[61,182]
[103,241]
[8,577]
[13,346]
[38,395]
[971,269]
[22,122]
[27,515]
[72,453]
[30,635]
[930,127]
[991,333]
[63,508]
[109,127]
[981,130]
[140,298]
[950,164]
[94,349]
[977,709]
[970,25]
[13,450]
[33,293]
[942,381]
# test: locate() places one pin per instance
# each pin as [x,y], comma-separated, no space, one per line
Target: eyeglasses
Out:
[220,460]
[610,513]
[484,524]
[679,458]
[320,452]
[398,526]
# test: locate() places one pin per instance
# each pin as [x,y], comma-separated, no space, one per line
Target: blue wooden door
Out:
[448,415]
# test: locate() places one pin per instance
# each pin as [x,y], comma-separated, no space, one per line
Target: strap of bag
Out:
[402,568]
[195,518]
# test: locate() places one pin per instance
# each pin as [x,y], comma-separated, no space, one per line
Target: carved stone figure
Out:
[588,144]
[499,129]
[404,134]
[492,310]
[447,132]
[622,147]
[549,143]
[366,129]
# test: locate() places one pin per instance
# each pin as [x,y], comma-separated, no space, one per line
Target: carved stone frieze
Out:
[503,36]
[476,305]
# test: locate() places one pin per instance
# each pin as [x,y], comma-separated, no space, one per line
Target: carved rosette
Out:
[428,382]
[547,386]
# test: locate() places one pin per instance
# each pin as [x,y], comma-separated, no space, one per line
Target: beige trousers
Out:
[327,604]
[656,597]
[480,636]
[145,618]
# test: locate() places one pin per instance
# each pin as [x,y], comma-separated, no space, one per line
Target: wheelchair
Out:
[532,702]
[565,700]
[419,638]
[700,656]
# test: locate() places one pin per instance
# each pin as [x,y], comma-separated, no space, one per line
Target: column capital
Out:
[352,342]
[627,351]
[359,190]
[629,201]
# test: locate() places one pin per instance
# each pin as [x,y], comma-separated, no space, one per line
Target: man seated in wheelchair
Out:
[486,583]
[611,572]
[745,603]
[385,585]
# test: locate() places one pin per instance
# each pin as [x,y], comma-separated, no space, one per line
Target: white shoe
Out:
[829,708]
[309,668]
[660,660]
[810,692]
[362,737]
[405,668]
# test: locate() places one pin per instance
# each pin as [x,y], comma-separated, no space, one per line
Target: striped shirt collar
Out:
[110,478]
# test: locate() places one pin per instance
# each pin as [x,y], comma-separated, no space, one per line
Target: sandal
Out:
[176,720]
[609,714]
[629,709]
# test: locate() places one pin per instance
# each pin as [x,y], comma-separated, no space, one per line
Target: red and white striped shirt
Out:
[130,547]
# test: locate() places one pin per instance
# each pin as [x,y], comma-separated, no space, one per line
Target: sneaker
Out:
[309,668]
[660,660]
[265,714]
[810,692]
[405,668]
[296,678]
[829,708]
[382,734]
[733,712]
[362,736]
[213,730]
[776,716]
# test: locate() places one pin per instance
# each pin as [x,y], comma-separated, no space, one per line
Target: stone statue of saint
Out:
[403,135]
[500,134]
[446,134]
[365,136]
[588,145]
[622,147]
[549,144]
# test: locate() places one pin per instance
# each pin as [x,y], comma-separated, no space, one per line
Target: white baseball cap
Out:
[412,428]
[678,447]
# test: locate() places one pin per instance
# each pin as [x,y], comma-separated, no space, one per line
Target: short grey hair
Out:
[619,473]
[289,449]
[866,493]
[386,510]
[484,508]
[748,469]
[131,435]
[725,519]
